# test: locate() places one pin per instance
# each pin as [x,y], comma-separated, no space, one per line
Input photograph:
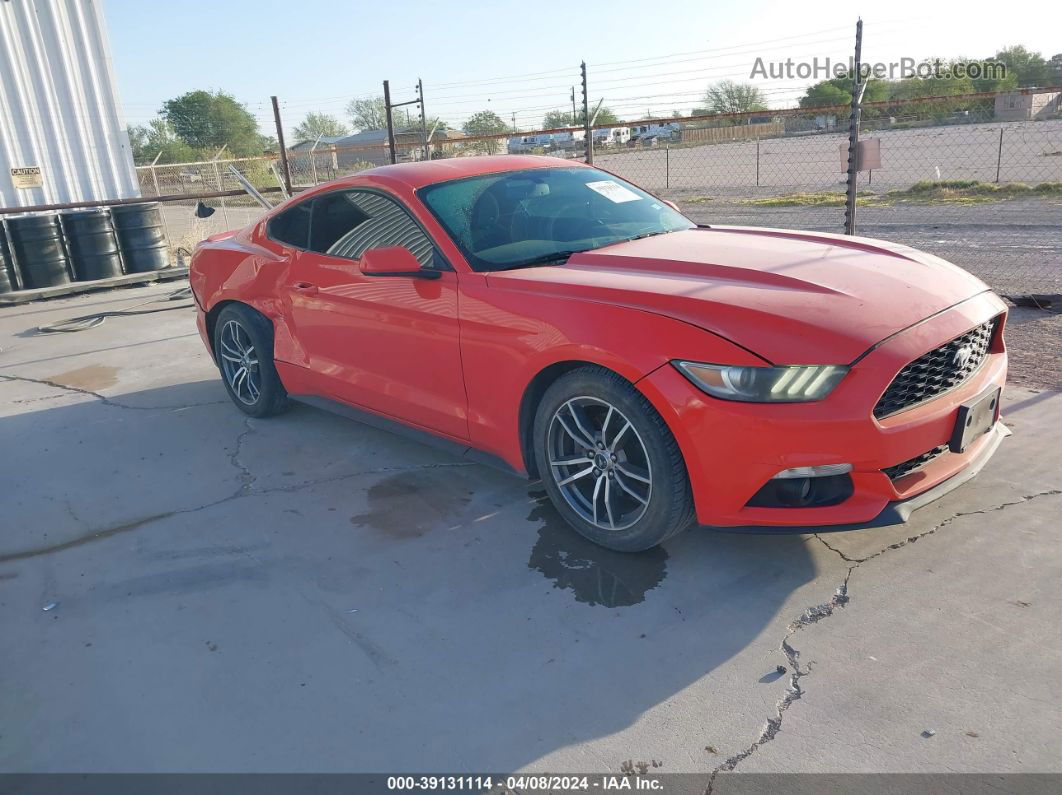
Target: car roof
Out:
[428,172]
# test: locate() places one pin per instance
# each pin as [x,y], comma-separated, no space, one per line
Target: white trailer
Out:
[662,130]
[612,136]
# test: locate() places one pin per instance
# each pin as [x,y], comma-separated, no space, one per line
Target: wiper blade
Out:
[654,233]
[545,259]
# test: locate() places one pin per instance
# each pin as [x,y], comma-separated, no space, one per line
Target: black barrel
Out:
[8,280]
[92,244]
[140,237]
[37,243]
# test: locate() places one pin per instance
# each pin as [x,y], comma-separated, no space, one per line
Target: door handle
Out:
[305,288]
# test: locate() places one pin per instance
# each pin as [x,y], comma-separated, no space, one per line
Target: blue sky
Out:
[318,54]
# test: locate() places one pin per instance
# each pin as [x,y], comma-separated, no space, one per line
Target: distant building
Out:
[370,146]
[1020,106]
[322,164]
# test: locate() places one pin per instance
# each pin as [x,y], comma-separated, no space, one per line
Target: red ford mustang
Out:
[556,320]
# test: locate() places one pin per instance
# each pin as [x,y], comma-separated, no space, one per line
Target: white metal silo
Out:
[62,132]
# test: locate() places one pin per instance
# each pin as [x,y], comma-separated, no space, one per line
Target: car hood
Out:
[790,297]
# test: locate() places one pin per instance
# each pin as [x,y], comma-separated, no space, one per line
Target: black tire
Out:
[669,506]
[268,397]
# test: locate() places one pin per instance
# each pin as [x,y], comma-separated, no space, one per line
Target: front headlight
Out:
[764,384]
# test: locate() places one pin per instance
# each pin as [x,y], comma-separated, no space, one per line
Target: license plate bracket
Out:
[975,418]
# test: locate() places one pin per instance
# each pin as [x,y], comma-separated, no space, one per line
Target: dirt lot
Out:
[970,151]
[183,588]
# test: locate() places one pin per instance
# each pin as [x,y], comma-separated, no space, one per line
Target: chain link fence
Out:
[980,187]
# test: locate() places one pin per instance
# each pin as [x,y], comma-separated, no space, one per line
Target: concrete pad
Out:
[309,594]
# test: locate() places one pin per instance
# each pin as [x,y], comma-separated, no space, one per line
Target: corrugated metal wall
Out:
[59,106]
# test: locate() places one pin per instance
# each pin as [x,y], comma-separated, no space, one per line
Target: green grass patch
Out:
[813,200]
[970,191]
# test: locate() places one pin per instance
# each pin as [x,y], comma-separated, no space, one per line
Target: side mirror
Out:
[394,261]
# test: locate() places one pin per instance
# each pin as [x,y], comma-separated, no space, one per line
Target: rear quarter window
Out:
[291,227]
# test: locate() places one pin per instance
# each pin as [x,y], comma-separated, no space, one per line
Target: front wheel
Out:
[609,462]
[243,346]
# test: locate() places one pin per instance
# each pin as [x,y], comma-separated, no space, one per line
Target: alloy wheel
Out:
[239,363]
[599,463]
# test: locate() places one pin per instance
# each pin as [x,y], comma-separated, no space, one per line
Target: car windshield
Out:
[542,216]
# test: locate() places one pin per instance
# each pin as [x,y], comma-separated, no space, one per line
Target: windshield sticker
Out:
[613,191]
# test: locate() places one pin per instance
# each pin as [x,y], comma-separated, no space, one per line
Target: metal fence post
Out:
[586,118]
[217,181]
[283,149]
[423,119]
[154,176]
[853,135]
[667,165]
[390,121]
[313,159]
[757,162]
[999,155]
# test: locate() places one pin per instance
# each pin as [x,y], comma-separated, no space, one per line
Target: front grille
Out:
[936,372]
[910,465]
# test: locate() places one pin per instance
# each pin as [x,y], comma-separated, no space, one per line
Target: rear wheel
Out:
[243,347]
[609,462]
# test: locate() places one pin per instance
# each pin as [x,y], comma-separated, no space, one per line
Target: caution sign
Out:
[27,177]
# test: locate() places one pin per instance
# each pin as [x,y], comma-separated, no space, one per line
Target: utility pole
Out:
[280,143]
[853,134]
[575,114]
[423,119]
[586,117]
[390,106]
[514,121]
[390,123]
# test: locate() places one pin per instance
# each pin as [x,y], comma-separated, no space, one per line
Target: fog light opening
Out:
[805,487]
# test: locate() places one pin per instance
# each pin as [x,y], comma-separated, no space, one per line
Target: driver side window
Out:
[349,223]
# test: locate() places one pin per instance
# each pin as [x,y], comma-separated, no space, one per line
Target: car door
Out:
[388,343]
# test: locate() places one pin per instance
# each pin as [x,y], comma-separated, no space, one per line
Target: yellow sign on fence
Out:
[27,177]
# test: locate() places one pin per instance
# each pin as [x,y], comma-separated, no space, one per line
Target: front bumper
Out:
[732,449]
[900,511]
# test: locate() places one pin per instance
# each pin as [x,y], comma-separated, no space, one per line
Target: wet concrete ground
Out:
[309,594]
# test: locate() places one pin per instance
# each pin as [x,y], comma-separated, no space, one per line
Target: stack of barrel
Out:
[52,249]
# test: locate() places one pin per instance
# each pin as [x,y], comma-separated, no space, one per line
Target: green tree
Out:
[557,118]
[1028,68]
[486,122]
[368,114]
[210,120]
[947,85]
[157,138]
[603,115]
[838,91]
[316,124]
[560,118]
[726,96]
[828,93]
[1054,67]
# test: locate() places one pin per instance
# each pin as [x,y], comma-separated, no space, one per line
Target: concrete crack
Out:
[247,478]
[912,539]
[135,524]
[106,401]
[816,613]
